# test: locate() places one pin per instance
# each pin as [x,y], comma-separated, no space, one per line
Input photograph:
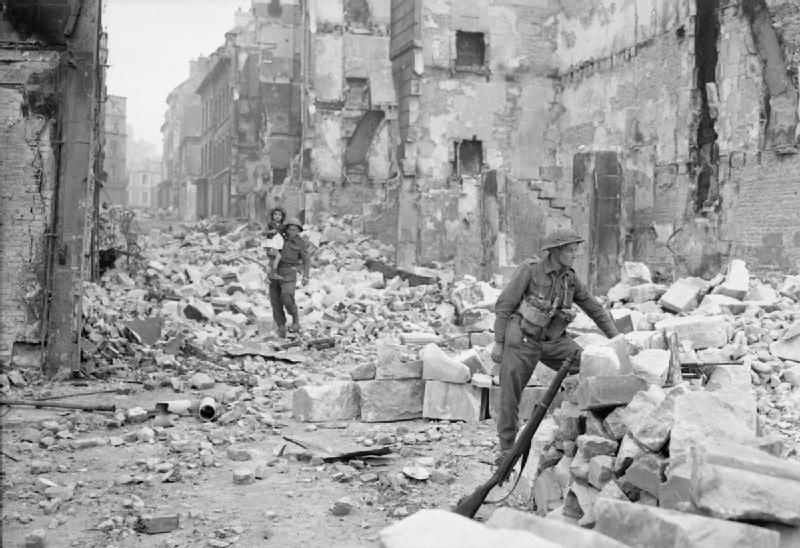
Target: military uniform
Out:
[294,255]
[532,314]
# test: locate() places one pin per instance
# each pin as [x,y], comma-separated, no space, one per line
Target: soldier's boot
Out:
[281,331]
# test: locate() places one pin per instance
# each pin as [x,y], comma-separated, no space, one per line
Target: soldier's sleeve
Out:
[594,310]
[509,300]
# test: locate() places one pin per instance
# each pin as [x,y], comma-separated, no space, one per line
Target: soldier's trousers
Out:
[520,356]
[281,295]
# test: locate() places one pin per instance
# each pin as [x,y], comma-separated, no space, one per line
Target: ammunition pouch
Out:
[534,320]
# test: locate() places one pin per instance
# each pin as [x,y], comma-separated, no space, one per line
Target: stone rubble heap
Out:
[646,462]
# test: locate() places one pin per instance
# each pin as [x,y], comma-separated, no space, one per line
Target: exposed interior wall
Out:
[29,105]
[475,96]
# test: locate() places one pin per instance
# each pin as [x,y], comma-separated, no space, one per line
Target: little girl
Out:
[274,243]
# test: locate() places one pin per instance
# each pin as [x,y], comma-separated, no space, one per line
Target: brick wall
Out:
[761,201]
[27,176]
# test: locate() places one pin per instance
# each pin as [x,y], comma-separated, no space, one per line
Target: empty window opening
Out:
[278,175]
[469,157]
[274,9]
[470,49]
[357,94]
[358,12]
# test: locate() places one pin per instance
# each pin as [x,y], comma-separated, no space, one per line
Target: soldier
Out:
[281,291]
[532,314]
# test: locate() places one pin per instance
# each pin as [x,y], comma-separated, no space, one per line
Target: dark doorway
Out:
[469,157]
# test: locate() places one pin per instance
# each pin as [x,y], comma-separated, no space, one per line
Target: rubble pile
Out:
[646,457]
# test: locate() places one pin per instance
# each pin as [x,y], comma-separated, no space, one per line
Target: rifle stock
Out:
[469,506]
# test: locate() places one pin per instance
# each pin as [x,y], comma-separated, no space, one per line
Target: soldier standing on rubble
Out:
[281,291]
[532,314]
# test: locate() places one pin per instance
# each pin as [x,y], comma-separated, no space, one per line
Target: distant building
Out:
[182,135]
[217,100]
[115,187]
[144,175]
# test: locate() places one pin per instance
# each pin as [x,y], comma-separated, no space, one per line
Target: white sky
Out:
[150,43]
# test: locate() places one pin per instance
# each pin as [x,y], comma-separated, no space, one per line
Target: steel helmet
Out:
[561,236]
[294,221]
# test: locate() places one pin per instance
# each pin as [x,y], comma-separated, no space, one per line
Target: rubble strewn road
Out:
[293,447]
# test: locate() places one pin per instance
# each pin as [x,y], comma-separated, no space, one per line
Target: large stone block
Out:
[473,360]
[562,533]
[391,400]
[733,481]
[450,401]
[438,366]
[702,331]
[333,401]
[599,361]
[644,474]
[737,281]
[646,292]
[443,529]
[652,366]
[641,526]
[391,362]
[652,428]
[682,296]
[699,416]
[721,304]
[605,392]
[399,370]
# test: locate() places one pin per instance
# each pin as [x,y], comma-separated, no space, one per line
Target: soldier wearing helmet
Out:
[294,256]
[532,314]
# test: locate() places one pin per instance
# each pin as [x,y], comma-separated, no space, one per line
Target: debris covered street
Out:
[400,273]
[301,431]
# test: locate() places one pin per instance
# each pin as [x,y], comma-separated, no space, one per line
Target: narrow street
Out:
[400,273]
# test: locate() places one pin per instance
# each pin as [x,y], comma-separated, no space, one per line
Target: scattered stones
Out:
[342,507]
[152,524]
[243,476]
[610,391]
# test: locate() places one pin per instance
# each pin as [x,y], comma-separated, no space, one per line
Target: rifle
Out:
[469,506]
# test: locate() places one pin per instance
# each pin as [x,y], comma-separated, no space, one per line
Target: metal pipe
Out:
[178,407]
[60,405]
[208,409]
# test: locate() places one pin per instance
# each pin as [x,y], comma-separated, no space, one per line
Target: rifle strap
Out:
[524,459]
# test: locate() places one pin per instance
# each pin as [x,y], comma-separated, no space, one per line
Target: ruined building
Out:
[666,131]
[115,164]
[51,92]
[182,135]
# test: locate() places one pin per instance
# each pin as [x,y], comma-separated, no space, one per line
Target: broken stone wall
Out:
[757,126]
[688,100]
[29,105]
[626,72]
[476,98]
[351,126]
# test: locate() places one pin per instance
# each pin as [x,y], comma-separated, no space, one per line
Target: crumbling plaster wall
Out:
[352,139]
[627,71]
[628,86]
[29,108]
[760,191]
[508,105]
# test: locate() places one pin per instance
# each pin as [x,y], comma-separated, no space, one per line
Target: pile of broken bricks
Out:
[640,457]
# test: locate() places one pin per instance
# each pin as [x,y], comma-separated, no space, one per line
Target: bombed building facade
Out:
[664,131]
[51,97]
